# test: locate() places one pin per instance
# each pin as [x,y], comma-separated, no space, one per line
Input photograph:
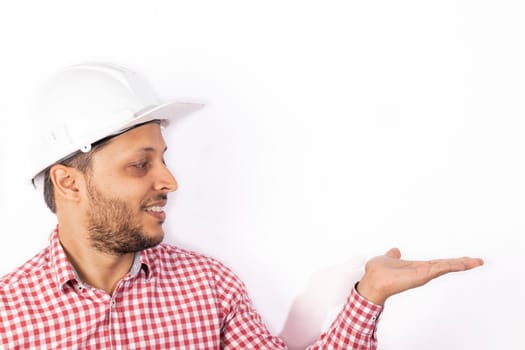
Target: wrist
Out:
[370,293]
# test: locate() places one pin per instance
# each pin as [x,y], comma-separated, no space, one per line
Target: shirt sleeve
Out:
[354,328]
[243,327]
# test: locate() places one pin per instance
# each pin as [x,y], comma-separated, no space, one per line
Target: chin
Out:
[155,233]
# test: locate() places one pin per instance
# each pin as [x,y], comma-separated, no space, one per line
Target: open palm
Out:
[387,274]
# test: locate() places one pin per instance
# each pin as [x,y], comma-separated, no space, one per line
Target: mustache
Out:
[157,198]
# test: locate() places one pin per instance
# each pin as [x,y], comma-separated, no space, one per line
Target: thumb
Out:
[393,253]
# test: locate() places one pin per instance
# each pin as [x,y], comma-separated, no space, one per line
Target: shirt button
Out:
[374,318]
[113,303]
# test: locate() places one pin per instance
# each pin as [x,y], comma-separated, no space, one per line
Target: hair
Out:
[78,160]
[81,161]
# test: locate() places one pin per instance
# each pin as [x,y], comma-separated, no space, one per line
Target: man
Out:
[105,280]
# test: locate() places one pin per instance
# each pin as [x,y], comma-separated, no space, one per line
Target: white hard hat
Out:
[88,102]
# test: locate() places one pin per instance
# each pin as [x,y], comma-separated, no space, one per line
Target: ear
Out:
[66,181]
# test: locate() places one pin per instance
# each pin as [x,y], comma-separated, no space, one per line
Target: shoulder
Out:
[30,270]
[27,282]
[189,264]
[198,269]
[173,257]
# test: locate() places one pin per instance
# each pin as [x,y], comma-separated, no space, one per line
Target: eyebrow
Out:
[151,149]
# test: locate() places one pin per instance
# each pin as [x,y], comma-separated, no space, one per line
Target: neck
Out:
[98,269]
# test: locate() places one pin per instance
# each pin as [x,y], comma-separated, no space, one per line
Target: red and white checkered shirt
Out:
[170,299]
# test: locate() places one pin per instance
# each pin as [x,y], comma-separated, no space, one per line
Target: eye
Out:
[140,165]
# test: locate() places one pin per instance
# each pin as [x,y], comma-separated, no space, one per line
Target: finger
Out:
[470,263]
[442,266]
[394,253]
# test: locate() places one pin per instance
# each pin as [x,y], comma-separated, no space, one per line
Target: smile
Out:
[157,212]
[154,209]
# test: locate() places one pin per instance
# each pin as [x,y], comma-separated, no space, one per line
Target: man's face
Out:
[127,190]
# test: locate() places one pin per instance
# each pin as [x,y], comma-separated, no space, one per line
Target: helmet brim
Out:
[167,113]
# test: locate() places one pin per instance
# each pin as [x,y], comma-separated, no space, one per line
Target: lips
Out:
[159,202]
[156,210]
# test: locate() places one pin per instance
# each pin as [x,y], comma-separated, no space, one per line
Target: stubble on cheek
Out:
[114,228]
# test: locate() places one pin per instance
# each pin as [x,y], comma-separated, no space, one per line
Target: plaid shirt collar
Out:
[65,272]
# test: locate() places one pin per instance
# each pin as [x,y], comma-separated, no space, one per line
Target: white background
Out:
[333,131]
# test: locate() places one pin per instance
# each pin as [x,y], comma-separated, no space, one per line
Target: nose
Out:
[165,180]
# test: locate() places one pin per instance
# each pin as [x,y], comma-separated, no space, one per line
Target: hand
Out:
[387,274]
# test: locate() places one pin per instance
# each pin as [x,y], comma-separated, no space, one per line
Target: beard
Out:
[112,226]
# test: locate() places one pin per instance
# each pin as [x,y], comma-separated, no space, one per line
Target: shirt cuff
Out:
[360,314]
